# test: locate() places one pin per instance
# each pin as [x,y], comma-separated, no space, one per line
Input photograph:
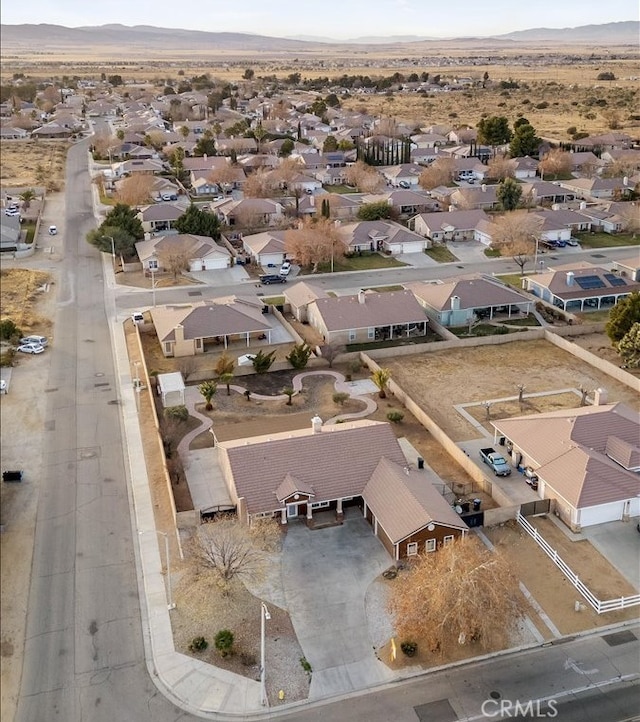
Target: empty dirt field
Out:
[438,381]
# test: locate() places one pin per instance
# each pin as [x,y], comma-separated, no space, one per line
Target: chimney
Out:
[179,333]
[570,278]
[316,424]
[484,187]
[361,298]
[204,155]
[452,209]
[625,181]
[455,303]
[312,201]
[600,397]
[583,205]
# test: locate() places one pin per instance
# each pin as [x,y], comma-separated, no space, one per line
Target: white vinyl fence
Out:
[608,605]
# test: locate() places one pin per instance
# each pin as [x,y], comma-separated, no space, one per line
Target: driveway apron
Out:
[325,575]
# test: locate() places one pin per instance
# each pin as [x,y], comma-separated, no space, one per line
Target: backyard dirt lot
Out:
[437,381]
[33,163]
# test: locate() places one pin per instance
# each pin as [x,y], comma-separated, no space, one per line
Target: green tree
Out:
[494,131]
[288,391]
[524,141]
[124,217]
[26,197]
[629,347]
[123,226]
[205,145]
[262,362]
[509,193]
[226,379]
[299,356]
[9,330]
[248,74]
[198,223]
[375,211]
[208,390]
[286,148]
[325,208]
[622,317]
[330,144]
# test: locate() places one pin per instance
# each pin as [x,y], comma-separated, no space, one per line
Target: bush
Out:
[198,644]
[299,356]
[340,398]
[542,106]
[305,665]
[409,648]
[224,641]
[6,358]
[9,330]
[178,413]
[395,417]
[262,361]
[605,76]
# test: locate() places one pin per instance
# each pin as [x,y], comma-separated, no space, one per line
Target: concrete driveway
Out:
[619,542]
[325,575]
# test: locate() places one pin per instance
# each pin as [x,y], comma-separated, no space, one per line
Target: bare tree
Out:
[187,365]
[439,173]
[259,184]
[226,547]
[501,167]
[174,261]
[365,178]
[223,176]
[316,241]
[136,189]
[286,172]
[514,233]
[487,407]
[330,351]
[630,215]
[521,390]
[584,391]
[445,596]
[554,163]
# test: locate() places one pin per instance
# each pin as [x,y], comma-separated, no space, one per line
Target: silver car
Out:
[38,340]
[31,348]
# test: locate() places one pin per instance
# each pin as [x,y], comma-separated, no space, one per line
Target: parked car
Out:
[404,184]
[272,278]
[4,389]
[169,197]
[53,231]
[573,242]
[12,211]
[30,348]
[38,340]
[285,268]
[531,477]
[137,317]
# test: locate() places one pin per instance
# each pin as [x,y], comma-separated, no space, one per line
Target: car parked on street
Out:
[272,278]
[31,348]
[12,211]
[53,231]
[285,268]
[38,340]
[137,317]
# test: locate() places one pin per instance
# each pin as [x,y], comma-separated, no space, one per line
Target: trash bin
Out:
[476,504]
[465,507]
[420,463]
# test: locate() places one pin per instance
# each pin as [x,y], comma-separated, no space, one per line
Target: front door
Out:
[292,511]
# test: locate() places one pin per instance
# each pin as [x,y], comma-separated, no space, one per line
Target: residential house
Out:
[52,130]
[200,183]
[629,267]
[403,175]
[147,166]
[405,202]
[367,316]
[358,465]
[299,295]
[10,232]
[587,460]
[580,287]
[266,249]
[463,136]
[463,300]
[388,236]
[602,220]
[483,198]
[8,132]
[250,212]
[201,252]
[449,226]
[191,329]
[606,141]
[544,193]
[598,188]
[159,217]
[524,168]
[585,160]
[470,168]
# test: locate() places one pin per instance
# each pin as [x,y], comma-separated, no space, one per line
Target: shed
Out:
[171,389]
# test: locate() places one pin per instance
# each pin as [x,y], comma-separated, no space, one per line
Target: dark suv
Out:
[272,278]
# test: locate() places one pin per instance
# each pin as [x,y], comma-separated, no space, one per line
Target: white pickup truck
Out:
[496,461]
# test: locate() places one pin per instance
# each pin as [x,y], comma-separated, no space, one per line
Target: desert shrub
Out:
[409,648]
[395,417]
[299,356]
[178,413]
[305,665]
[262,361]
[9,330]
[248,659]
[7,357]
[224,642]
[340,398]
[198,644]
[542,106]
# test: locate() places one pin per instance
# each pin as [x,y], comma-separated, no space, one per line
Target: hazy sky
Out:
[332,18]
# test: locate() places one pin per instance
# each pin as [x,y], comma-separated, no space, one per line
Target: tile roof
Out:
[458,220]
[568,449]
[404,501]
[473,293]
[366,310]
[336,462]
[302,293]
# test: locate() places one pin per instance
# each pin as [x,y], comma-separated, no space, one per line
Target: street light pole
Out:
[264,617]
[170,603]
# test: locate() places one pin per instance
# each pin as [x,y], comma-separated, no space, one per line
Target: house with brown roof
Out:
[266,249]
[388,236]
[250,212]
[598,188]
[587,460]
[159,217]
[580,287]
[300,295]
[449,226]
[190,329]
[463,300]
[202,252]
[368,316]
[484,198]
[353,465]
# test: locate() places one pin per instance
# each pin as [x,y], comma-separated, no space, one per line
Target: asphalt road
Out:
[84,654]
[128,298]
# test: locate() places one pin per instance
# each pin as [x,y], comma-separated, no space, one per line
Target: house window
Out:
[320,505]
[447,540]
[371,332]
[412,549]
[168,347]
[153,265]
[352,335]
[430,545]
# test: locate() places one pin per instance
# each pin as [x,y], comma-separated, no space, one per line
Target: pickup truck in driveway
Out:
[496,461]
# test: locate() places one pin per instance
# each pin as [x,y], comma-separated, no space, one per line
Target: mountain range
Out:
[45,36]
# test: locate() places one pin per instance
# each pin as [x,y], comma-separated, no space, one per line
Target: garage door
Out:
[601,514]
[412,247]
[214,264]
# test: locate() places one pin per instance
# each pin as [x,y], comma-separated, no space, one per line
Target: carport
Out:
[171,389]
